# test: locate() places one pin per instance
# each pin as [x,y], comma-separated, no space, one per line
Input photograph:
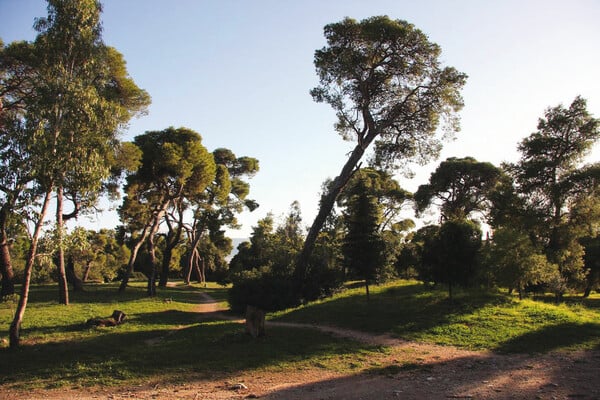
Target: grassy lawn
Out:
[165,339]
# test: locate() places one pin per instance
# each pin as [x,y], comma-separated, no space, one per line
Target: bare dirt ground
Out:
[409,371]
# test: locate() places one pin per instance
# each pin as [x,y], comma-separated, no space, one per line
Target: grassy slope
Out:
[166,340]
[473,320]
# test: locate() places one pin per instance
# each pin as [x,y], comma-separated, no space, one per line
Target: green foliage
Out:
[517,263]
[262,269]
[363,246]
[460,187]
[556,194]
[263,289]
[384,75]
[457,247]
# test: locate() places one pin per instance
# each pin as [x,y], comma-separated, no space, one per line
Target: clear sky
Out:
[239,73]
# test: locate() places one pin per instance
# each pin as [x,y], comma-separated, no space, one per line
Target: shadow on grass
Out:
[400,310]
[550,338]
[200,350]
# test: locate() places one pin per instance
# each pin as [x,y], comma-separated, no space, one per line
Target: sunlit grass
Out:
[474,320]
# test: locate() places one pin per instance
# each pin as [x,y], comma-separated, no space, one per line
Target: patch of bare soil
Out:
[409,371]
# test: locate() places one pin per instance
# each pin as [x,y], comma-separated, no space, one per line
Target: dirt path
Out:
[408,371]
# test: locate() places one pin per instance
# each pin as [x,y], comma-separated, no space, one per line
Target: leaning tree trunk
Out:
[131,262]
[86,272]
[63,288]
[15,326]
[327,203]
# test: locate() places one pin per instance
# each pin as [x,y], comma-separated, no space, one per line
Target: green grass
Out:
[475,320]
[166,340]
[161,340]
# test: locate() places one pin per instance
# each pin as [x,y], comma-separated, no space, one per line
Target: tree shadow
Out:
[559,336]
[201,349]
[482,375]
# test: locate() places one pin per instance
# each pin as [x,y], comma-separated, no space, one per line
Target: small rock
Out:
[238,386]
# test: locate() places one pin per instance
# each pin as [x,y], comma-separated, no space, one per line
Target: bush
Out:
[264,290]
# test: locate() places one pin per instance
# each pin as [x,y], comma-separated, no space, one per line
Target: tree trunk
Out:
[149,230]
[367,289]
[86,272]
[188,273]
[255,321]
[327,203]
[202,271]
[6,270]
[197,267]
[72,277]
[152,275]
[63,288]
[166,261]
[131,263]
[15,326]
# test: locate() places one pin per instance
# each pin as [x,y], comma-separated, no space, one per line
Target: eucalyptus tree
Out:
[459,187]
[551,180]
[83,96]
[385,82]
[174,165]
[15,161]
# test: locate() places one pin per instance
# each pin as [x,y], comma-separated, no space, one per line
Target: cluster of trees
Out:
[542,212]
[384,81]
[64,100]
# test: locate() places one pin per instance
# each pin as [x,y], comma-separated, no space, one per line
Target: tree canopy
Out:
[459,186]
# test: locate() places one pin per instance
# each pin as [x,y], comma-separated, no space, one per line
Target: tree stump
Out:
[255,321]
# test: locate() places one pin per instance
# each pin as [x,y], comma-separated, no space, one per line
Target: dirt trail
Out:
[407,371]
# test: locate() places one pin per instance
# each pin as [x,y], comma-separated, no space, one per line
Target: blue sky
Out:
[239,73]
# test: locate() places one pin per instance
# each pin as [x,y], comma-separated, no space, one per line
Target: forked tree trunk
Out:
[149,230]
[15,326]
